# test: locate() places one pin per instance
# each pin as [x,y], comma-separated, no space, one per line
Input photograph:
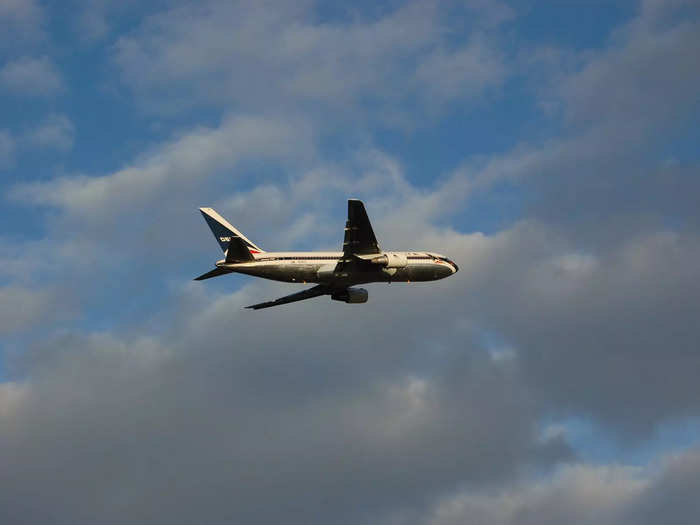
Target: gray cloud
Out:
[621,319]
[620,115]
[247,54]
[464,73]
[403,410]
[584,494]
[21,308]
[31,76]
[56,131]
[21,22]
[225,419]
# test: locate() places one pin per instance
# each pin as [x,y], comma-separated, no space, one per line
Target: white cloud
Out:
[248,54]
[95,20]
[174,167]
[464,73]
[31,76]
[661,492]
[615,88]
[580,494]
[56,132]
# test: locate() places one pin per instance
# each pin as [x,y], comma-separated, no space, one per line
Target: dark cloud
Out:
[621,319]
[583,494]
[624,110]
[426,404]
[223,418]
[671,497]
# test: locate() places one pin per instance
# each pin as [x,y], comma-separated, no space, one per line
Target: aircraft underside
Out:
[315,274]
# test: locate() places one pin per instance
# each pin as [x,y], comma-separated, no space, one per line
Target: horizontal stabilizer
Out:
[213,273]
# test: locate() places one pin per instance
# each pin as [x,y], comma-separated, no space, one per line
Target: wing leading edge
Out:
[309,293]
[213,273]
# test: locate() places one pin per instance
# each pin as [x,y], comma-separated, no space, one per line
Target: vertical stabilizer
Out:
[223,231]
[359,236]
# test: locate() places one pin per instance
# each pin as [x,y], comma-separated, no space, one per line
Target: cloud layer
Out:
[131,394]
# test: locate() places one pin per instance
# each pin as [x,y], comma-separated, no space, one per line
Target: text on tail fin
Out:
[223,231]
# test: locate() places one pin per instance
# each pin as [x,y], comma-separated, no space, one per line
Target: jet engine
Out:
[351,295]
[391,260]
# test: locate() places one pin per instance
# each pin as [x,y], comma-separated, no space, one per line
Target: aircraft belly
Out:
[291,273]
[431,272]
[267,271]
[423,272]
[309,273]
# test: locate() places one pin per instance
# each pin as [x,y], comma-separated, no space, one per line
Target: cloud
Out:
[154,200]
[563,308]
[21,308]
[584,494]
[424,405]
[222,416]
[615,88]
[462,74]
[609,164]
[245,54]
[606,318]
[184,162]
[670,496]
[55,132]
[31,76]
[97,20]
[21,21]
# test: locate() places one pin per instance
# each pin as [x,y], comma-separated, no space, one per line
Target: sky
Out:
[549,148]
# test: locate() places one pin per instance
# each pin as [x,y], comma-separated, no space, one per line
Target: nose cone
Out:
[455,268]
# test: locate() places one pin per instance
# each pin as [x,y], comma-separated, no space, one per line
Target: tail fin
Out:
[225,233]
[238,251]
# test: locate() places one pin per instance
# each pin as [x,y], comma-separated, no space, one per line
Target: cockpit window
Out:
[449,261]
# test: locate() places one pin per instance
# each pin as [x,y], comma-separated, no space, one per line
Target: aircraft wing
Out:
[359,236]
[213,273]
[299,296]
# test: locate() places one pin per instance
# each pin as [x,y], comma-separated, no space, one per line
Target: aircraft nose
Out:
[456,268]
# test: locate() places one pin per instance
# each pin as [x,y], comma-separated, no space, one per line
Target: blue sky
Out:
[549,148]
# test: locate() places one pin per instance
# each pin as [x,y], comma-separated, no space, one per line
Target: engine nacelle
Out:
[392,260]
[351,295]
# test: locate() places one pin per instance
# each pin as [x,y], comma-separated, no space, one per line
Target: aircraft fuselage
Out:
[321,268]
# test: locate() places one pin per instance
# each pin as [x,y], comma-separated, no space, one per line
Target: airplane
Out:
[334,273]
